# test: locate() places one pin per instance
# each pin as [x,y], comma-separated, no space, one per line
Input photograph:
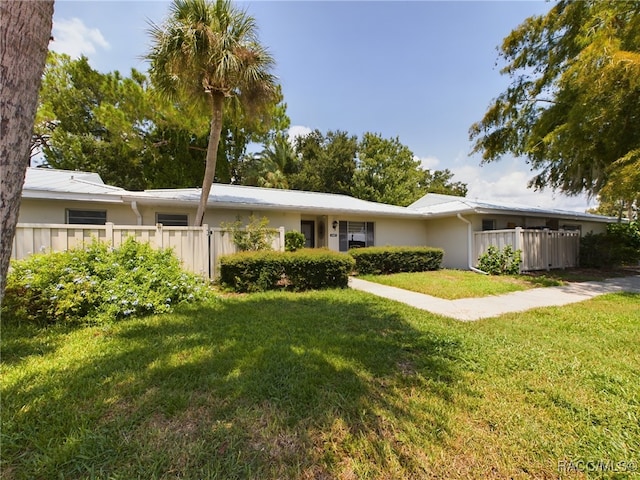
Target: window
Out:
[488,225]
[355,235]
[86,217]
[172,219]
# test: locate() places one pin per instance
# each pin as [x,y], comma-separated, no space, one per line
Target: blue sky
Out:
[423,71]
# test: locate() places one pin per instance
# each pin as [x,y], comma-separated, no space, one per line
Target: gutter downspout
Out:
[134,207]
[470,245]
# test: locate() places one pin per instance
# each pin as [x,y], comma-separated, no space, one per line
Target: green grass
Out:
[334,384]
[455,284]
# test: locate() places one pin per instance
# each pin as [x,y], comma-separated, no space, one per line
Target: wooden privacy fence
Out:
[541,249]
[198,248]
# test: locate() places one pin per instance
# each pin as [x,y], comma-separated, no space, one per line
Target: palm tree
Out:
[205,53]
[276,161]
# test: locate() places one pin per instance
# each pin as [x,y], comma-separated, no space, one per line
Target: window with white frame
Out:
[355,235]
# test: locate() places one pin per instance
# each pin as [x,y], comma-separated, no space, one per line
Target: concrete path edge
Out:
[469,309]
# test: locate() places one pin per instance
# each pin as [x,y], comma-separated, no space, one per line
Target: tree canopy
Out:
[118,127]
[326,163]
[572,108]
[372,168]
[387,172]
[92,121]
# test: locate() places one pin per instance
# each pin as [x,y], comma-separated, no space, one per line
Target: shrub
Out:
[98,284]
[385,260]
[293,241]
[301,270]
[316,269]
[256,236]
[620,245]
[500,262]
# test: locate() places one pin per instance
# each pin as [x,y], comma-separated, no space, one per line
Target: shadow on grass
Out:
[261,386]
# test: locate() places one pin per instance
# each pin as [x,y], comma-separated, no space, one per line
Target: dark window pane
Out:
[370,236]
[172,220]
[344,241]
[86,217]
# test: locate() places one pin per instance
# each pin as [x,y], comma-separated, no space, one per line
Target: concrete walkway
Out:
[476,308]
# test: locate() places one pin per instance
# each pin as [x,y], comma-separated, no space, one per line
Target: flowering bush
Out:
[98,284]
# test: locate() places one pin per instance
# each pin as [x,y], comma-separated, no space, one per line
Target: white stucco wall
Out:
[54,211]
[450,234]
[401,232]
[214,217]
[593,227]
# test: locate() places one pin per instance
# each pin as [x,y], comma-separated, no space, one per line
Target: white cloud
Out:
[298,131]
[511,187]
[73,37]
[428,163]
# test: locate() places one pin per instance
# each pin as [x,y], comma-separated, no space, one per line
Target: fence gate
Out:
[541,249]
[221,243]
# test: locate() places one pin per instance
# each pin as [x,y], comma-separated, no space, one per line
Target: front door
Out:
[308,229]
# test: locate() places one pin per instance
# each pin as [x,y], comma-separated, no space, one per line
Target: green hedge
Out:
[306,269]
[620,245]
[385,260]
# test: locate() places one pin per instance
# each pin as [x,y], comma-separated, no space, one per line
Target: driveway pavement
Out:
[468,309]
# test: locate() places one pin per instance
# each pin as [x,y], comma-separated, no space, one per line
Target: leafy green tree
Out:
[616,207]
[92,121]
[325,163]
[440,181]
[376,169]
[173,157]
[573,105]
[118,127]
[206,53]
[387,172]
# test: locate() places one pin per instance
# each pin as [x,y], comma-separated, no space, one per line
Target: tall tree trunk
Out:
[212,155]
[24,40]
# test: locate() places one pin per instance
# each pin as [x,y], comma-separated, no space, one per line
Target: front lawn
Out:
[455,284]
[334,384]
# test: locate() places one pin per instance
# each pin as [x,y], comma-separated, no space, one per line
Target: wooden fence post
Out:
[108,234]
[517,245]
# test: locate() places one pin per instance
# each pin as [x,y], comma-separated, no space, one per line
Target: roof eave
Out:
[86,197]
[575,216]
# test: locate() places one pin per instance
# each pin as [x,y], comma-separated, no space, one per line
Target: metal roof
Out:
[48,183]
[237,196]
[66,184]
[437,205]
